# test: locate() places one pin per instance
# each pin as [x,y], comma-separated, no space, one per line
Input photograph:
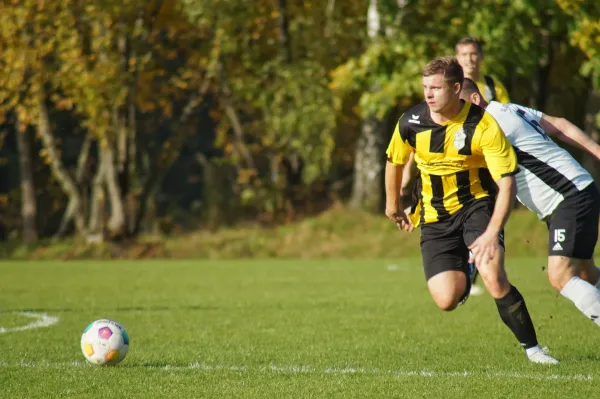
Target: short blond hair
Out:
[448,67]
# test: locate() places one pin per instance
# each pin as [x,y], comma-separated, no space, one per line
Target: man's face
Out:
[439,95]
[468,57]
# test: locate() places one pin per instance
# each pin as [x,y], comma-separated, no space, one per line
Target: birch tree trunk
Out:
[59,172]
[28,202]
[367,191]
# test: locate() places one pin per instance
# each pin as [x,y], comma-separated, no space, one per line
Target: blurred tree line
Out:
[123,117]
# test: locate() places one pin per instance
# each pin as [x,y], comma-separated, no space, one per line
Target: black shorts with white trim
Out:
[573,226]
[444,244]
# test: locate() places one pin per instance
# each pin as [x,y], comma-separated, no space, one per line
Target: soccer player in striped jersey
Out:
[559,190]
[470,56]
[467,188]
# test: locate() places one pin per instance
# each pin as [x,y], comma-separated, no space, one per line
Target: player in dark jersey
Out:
[465,161]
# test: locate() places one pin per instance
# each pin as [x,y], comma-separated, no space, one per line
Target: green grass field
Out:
[274,329]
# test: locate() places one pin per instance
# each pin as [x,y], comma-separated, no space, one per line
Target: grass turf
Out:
[283,329]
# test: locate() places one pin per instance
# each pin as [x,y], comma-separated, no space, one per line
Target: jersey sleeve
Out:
[501,92]
[398,151]
[499,155]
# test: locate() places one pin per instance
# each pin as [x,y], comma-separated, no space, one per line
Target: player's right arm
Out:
[398,154]
[565,131]
[408,173]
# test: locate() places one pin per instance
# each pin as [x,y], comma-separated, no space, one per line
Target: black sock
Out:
[514,314]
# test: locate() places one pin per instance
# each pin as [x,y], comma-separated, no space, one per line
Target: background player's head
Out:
[470,92]
[470,55]
[442,79]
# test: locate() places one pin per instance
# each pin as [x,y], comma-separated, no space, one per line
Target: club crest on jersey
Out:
[460,139]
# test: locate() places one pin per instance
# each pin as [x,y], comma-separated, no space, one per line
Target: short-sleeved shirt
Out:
[492,89]
[459,161]
[548,173]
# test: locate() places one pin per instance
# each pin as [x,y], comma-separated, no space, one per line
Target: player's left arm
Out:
[505,199]
[502,163]
[566,131]
[485,247]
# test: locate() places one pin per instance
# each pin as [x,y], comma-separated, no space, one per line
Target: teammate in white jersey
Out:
[554,185]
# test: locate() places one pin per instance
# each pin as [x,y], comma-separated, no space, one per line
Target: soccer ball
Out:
[104,342]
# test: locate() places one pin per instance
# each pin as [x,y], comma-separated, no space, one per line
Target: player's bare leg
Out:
[564,275]
[448,289]
[590,272]
[511,307]
[494,276]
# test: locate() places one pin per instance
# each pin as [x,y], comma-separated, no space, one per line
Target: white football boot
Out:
[541,356]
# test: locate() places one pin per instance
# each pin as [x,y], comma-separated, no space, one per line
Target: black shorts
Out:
[573,226]
[444,245]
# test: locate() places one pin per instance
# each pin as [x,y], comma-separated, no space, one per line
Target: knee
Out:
[447,288]
[446,303]
[559,273]
[496,283]
[556,281]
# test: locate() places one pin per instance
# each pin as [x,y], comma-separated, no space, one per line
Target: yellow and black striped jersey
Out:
[492,89]
[458,161]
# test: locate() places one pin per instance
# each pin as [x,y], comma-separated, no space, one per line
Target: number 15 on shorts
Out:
[559,235]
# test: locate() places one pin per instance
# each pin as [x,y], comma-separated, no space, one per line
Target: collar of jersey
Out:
[457,118]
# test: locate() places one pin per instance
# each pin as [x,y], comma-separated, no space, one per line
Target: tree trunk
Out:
[215,201]
[284,34]
[374,27]
[367,192]
[240,143]
[116,223]
[143,203]
[56,166]
[329,10]
[132,176]
[95,226]
[82,181]
[28,203]
[82,175]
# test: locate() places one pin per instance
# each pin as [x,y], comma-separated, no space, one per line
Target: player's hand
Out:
[484,248]
[399,217]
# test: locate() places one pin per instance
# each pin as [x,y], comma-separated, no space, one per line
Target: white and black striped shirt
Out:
[548,172]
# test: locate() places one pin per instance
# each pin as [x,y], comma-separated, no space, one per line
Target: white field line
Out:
[41,320]
[298,370]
